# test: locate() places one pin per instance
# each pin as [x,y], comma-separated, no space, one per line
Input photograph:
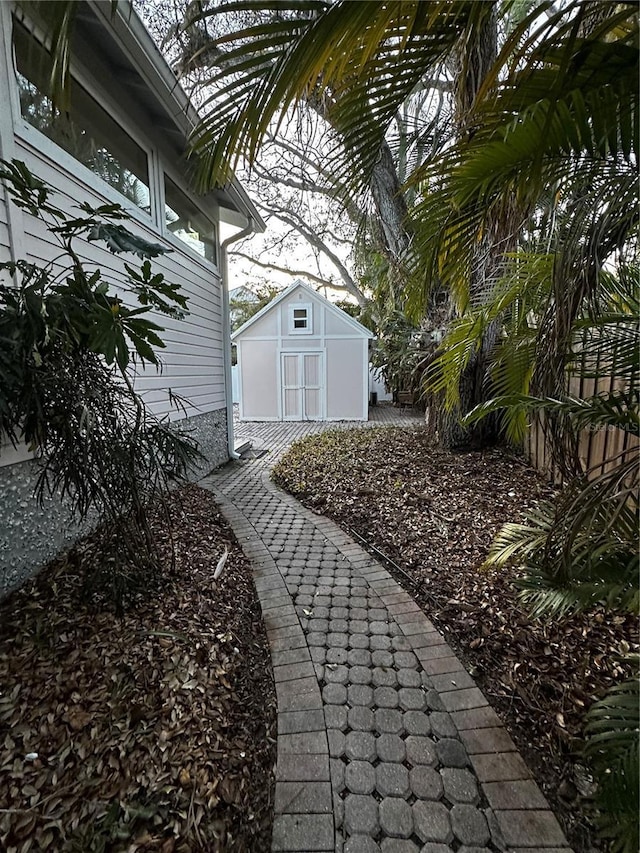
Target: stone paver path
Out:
[384,741]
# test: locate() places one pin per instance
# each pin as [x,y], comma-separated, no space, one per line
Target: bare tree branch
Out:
[293,273]
[288,217]
[439,85]
[339,191]
[303,185]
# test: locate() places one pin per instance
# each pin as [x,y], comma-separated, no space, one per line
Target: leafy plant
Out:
[613,727]
[400,351]
[580,550]
[583,548]
[68,342]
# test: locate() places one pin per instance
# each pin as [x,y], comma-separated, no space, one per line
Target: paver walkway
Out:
[384,741]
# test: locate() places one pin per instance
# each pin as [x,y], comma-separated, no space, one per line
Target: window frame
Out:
[296,306]
[168,235]
[30,134]
[157,161]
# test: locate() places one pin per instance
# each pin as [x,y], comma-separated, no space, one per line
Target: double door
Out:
[302,386]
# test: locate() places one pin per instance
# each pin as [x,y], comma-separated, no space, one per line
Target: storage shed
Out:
[301,358]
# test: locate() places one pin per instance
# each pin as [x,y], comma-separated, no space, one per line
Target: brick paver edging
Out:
[327,781]
[303,802]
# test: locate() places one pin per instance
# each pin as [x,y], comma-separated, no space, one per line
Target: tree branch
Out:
[339,190]
[293,273]
[432,83]
[295,221]
[303,185]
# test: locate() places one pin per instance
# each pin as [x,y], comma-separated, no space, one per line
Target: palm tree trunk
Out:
[473,63]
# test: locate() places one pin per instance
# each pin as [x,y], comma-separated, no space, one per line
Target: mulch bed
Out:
[152,732]
[432,514]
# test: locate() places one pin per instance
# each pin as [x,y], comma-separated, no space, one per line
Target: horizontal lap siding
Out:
[153,378]
[192,360]
[200,400]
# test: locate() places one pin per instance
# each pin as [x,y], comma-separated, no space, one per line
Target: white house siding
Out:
[192,367]
[192,361]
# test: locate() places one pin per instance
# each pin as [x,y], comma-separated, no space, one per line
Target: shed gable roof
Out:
[358,328]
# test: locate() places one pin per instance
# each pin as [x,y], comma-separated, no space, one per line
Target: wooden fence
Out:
[598,447]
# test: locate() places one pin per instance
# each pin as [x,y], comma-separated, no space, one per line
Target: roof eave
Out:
[141,51]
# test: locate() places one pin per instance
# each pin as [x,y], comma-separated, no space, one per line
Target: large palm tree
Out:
[518,218]
[354,65]
[521,216]
[545,133]
[556,149]
[358,65]
[553,113]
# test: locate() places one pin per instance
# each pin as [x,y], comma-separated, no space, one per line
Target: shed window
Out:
[188,223]
[86,131]
[300,319]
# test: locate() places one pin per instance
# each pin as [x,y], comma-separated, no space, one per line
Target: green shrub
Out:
[67,343]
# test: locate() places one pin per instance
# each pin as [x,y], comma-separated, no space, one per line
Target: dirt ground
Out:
[153,732]
[430,516]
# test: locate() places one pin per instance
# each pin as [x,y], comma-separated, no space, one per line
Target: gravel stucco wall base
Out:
[31,535]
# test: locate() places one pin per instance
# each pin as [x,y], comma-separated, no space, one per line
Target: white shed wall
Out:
[266,326]
[337,326]
[347,387]
[310,342]
[259,382]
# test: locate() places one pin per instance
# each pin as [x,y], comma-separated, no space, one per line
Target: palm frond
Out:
[571,112]
[614,409]
[582,549]
[612,731]
[512,300]
[356,63]
[548,597]
[521,541]
[615,719]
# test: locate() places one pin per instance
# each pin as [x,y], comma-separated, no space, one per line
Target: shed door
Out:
[302,386]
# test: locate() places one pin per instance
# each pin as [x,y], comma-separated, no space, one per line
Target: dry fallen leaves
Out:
[150,733]
[432,515]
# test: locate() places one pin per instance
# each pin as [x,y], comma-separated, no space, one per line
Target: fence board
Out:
[598,447]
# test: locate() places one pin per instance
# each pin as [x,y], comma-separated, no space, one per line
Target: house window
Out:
[300,319]
[187,222]
[86,131]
